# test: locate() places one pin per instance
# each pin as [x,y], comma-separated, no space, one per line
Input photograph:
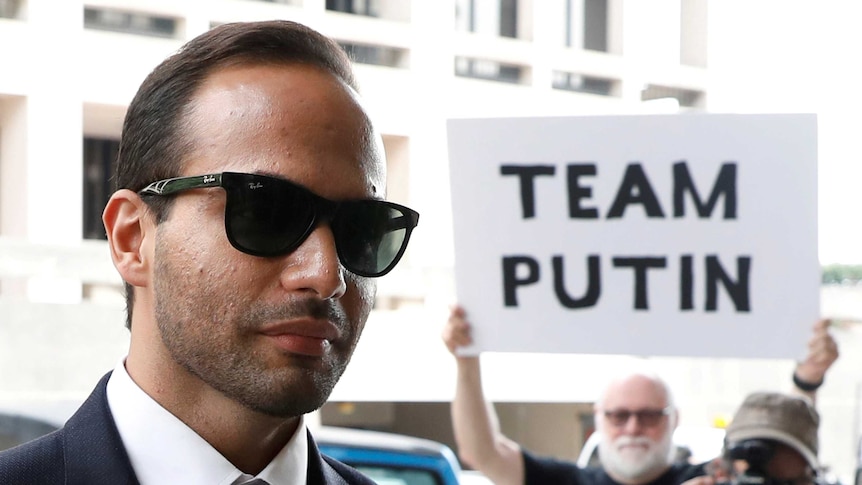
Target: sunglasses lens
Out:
[267,217]
[371,235]
[649,418]
[618,418]
[646,417]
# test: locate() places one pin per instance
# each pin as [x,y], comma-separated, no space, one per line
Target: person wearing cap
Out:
[635,417]
[788,423]
[772,436]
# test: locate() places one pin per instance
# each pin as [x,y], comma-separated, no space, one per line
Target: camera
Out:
[757,453]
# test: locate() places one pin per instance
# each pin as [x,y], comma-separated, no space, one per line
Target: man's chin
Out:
[634,459]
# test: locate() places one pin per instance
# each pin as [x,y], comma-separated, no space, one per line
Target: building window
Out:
[571,81]
[489,70]
[369,8]
[376,55]
[100,158]
[130,23]
[9,9]
[596,25]
[465,15]
[586,24]
[509,18]
[493,17]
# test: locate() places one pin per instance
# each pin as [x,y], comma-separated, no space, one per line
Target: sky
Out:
[795,56]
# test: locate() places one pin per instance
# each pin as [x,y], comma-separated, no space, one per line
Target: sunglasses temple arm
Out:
[402,222]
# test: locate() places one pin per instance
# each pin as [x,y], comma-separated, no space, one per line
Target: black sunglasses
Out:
[646,417]
[267,216]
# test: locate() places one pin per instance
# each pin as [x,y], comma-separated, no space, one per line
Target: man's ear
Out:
[128,224]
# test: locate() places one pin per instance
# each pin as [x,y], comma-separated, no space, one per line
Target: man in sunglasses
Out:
[634,415]
[248,225]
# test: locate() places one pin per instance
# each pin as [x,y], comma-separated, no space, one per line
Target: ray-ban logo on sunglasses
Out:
[254,185]
[208,179]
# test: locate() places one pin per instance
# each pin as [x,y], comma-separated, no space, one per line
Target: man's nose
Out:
[633,425]
[314,266]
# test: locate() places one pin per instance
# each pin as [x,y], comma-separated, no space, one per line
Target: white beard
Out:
[635,462]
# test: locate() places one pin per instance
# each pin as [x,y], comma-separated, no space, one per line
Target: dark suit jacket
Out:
[88,451]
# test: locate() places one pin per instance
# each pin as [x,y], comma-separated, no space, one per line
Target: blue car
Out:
[390,459]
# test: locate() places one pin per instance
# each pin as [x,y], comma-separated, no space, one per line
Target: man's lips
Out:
[308,337]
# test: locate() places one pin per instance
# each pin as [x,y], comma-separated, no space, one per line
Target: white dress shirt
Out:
[163,449]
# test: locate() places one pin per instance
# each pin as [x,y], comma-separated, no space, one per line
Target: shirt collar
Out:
[162,449]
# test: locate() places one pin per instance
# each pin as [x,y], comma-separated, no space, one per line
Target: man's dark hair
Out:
[153,144]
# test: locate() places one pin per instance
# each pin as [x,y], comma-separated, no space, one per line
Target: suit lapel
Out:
[92,444]
[320,472]
[94,452]
[315,474]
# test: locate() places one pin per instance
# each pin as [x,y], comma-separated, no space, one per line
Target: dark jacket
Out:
[88,451]
[541,470]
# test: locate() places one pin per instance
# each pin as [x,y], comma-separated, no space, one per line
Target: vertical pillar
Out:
[432,67]
[13,168]
[13,171]
[54,124]
[548,24]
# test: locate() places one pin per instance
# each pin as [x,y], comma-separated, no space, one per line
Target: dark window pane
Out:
[9,8]
[130,23]
[375,54]
[488,70]
[596,25]
[583,84]
[340,5]
[100,155]
[358,7]
[509,18]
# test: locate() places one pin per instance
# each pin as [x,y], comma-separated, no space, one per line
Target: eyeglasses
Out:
[267,216]
[646,417]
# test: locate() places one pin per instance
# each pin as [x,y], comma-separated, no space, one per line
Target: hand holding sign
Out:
[456,332]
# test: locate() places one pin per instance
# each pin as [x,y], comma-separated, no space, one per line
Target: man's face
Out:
[636,429]
[785,464]
[274,334]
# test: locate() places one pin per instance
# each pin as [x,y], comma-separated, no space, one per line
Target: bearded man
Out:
[635,417]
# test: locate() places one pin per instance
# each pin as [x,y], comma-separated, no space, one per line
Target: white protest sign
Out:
[688,235]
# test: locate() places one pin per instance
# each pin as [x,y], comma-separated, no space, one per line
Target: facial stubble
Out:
[210,331]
